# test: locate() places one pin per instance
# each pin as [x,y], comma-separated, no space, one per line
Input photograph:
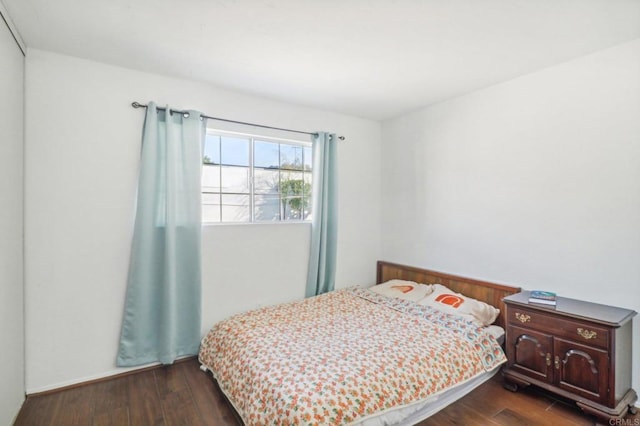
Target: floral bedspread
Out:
[341,357]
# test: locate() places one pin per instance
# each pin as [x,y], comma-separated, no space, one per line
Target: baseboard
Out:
[109,375]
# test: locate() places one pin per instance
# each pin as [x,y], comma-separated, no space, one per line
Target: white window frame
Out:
[252,139]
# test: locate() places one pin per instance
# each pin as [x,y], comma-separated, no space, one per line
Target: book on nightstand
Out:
[542,297]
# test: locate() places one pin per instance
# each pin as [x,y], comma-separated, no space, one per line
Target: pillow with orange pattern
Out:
[401,289]
[450,302]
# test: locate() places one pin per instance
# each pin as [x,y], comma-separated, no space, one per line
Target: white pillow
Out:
[401,289]
[450,302]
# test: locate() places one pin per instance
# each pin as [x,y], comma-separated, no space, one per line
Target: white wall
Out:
[534,182]
[11,241]
[83,143]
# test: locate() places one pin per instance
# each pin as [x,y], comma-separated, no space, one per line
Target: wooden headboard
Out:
[487,292]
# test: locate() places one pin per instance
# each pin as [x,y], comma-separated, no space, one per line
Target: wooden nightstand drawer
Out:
[576,330]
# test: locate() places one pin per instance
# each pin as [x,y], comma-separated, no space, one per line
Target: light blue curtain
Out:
[324,228]
[163,303]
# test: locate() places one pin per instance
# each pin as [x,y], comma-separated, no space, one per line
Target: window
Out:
[253,179]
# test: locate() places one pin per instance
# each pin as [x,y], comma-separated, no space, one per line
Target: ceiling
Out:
[375,59]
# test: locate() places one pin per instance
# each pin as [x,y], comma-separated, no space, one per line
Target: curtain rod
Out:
[139,105]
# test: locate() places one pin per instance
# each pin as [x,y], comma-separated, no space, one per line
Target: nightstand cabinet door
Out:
[530,352]
[582,370]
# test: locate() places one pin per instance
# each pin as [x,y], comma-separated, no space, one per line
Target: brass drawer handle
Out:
[587,334]
[522,317]
[548,358]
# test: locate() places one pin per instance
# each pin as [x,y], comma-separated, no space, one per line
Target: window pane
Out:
[294,193]
[307,179]
[308,157]
[266,181]
[234,151]
[292,208]
[210,178]
[291,183]
[266,154]
[235,179]
[306,213]
[210,208]
[267,207]
[235,208]
[211,150]
[291,157]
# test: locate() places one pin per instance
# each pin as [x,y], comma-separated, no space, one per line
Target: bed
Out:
[358,356]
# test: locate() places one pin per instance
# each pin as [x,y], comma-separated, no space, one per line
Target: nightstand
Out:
[578,350]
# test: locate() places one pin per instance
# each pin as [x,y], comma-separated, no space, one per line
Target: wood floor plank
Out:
[203,391]
[76,406]
[459,414]
[110,395]
[180,410]
[144,404]
[537,407]
[508,417]
[525,404]
[169,379]
[571,414]
[117,417]
[181,394]
[39,410]
[177,402]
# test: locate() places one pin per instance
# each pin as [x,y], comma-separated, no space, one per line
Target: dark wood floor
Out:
[181,394]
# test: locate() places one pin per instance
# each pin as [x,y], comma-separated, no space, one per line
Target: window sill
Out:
[281,223]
